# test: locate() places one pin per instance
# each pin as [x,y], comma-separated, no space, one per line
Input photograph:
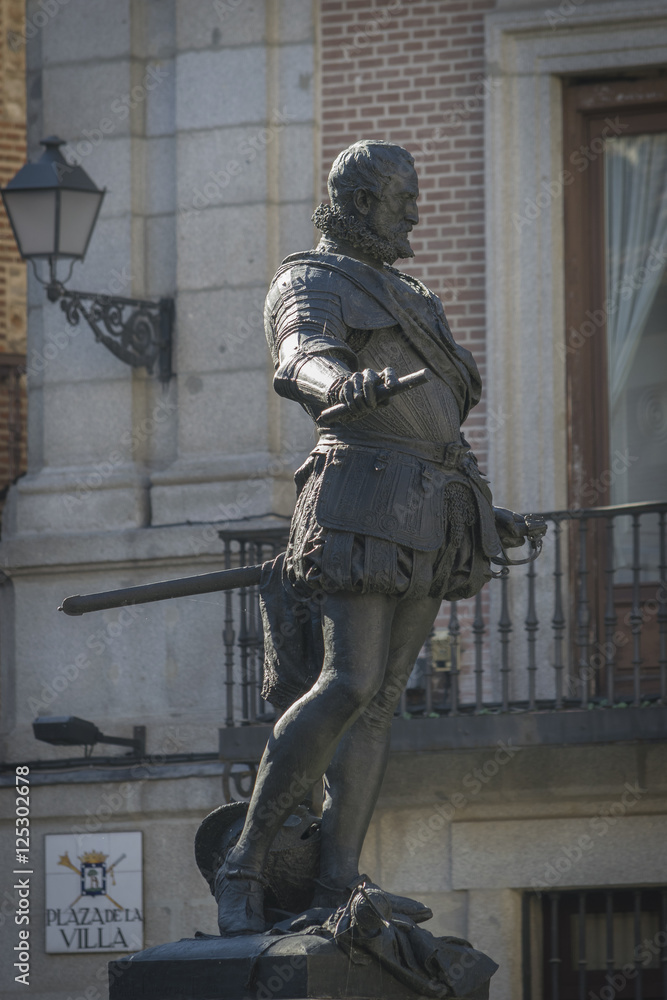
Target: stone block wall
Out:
[13,399]
[200,123]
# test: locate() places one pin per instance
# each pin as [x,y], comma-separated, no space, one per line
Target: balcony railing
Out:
[585,626]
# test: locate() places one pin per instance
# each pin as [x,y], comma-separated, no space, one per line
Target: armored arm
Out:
[307,334]
[309,378]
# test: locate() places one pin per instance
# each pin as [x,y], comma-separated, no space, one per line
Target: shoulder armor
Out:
[360,311]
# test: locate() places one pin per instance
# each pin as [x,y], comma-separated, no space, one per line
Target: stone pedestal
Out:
[254,967]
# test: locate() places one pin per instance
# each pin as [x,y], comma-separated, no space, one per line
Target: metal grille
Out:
[595,944]
[585,626]
[242,635]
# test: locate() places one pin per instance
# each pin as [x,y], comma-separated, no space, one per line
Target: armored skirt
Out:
[345,537]
[369,519]
[374,514]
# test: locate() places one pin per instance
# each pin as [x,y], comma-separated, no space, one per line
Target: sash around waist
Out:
[450,454]
[394,488]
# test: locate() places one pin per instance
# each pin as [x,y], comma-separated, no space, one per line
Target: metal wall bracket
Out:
[136,331]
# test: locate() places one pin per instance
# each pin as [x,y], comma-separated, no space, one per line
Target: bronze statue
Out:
[392,516]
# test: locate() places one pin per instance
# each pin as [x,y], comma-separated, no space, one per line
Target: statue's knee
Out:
[356,690]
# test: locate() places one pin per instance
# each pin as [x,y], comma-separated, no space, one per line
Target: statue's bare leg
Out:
[349,802]
[357,635]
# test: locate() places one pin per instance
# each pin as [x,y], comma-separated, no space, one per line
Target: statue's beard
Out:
[345,227]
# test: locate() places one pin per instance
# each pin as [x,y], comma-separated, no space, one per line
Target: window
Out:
[596,944]
[615,171]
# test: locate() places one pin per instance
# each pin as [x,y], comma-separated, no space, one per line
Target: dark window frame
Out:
[587,109]
[593,110]
[547,926]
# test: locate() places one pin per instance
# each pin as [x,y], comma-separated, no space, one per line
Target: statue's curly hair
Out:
[367,164]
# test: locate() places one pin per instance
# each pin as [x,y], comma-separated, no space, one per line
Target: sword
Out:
[208,583]
[228,579]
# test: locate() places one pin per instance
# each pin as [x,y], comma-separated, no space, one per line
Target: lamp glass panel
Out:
[33,215]
[78,210]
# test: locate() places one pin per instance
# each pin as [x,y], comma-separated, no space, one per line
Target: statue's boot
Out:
[239,894]
[333,896]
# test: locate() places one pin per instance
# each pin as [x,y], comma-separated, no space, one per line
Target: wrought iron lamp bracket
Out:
[135,330]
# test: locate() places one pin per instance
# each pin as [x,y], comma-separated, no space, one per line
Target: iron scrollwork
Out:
[140,337]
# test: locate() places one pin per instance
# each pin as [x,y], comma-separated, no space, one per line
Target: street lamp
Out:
[70,731]
[53,207]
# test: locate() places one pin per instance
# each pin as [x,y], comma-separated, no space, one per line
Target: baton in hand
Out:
[342,412]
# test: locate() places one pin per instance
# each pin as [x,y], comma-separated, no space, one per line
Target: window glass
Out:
[636,307]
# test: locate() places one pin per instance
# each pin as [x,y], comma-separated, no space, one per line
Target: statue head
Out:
[367,165]
[373,189]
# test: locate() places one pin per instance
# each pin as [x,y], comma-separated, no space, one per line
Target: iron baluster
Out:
[228,637]
[609,930]
[454,634]
[253,598]
[610,616]
[582,946]
[554,958]
[635,613]
[526,958]
[583,612]
[505,628]
[532,625]
[638,943]
[558,620]
[662,612]
[478,630]
[243,640]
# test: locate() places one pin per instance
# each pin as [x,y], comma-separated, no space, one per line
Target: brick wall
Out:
[12,270]
[413,73]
